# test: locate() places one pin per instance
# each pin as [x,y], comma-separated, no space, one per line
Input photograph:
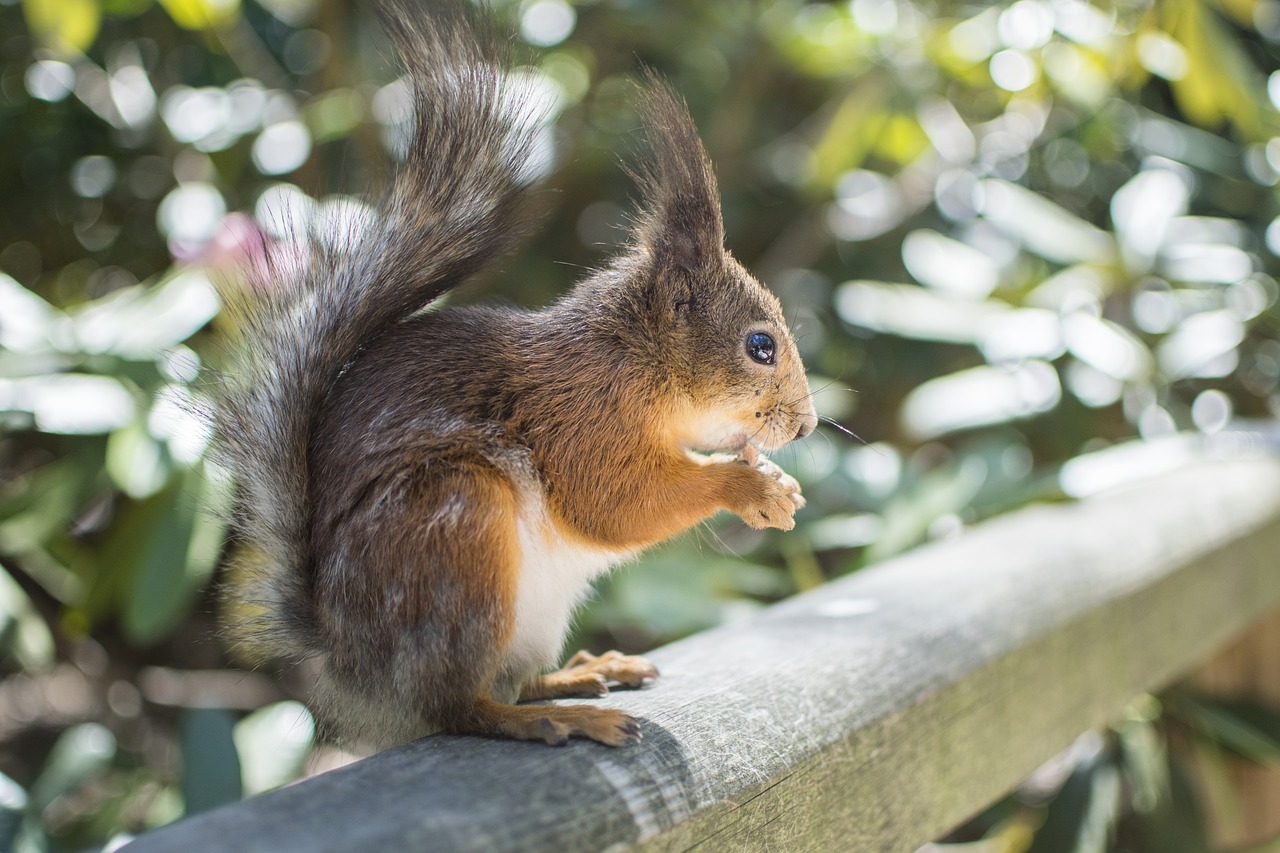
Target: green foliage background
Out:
[1028,249]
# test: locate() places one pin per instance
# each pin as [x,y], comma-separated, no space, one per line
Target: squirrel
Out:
[429,490]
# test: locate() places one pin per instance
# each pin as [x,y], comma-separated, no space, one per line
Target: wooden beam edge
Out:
[871,714]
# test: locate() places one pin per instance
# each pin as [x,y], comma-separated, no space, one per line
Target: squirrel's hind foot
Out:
[552,724]
[591,675]
[626,670]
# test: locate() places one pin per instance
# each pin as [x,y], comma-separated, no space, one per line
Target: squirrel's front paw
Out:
[788,483]
[776,501]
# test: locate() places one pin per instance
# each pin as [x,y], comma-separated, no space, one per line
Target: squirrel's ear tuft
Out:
[680,221]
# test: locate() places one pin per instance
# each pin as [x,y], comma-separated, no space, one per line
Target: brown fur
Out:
[410,455]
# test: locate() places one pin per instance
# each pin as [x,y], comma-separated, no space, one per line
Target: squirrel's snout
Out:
[806,426]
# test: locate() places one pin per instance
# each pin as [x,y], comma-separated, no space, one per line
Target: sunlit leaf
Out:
[140,322]
[980,396]
[850,134]
[201,14]
[1221,83]
[1079,74]
[1021,334]
[273,744]
[335,115]
[1240,11]
[64,26]
[137,463]
[902,140]
[1202,345]
[1106,346]
[25,318]
[915,312]
[949,265]
[1142,211]
[1043,226]
[70,403]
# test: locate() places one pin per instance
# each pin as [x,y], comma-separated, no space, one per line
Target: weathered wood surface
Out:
[872,714]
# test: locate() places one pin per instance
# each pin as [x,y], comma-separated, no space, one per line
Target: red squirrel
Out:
[428,494]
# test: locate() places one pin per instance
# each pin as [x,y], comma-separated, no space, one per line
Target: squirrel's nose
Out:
[806,427]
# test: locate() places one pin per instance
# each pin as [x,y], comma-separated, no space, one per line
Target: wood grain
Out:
[874,713]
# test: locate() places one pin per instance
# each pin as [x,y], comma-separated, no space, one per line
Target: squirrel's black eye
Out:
[760,347]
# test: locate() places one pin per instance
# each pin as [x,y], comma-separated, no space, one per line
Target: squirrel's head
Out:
[714,333]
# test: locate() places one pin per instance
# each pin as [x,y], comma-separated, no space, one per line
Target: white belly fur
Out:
[555,576]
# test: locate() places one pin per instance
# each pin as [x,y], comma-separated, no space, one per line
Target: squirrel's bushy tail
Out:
[452,207]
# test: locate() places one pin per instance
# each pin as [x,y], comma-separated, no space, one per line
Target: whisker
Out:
[844,429]
[815,391]
[725,547]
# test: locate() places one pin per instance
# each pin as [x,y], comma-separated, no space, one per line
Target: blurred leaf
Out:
[37,506]
[1081,818]
[679,589]
[902,139]
[23,632]
[137,462]
[70,403]
[64,26]
[850,133]
[13,807]
[211,774]
[1144,760]
[910,513]
[949,265]
[1202,345]
[1213,787]
[142,321]
[125,8]
[1240,11]
[1045,227]
[1142,210]
[179,534]
[1220,82]
[273,744]
[25,318]
[80,752]
[982,396]
[1226,725]
[1176,824]
[916,312]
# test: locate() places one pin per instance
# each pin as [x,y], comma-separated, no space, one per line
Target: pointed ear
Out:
[680,222]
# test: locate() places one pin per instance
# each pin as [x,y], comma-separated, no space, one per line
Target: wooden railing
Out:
[874,713]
